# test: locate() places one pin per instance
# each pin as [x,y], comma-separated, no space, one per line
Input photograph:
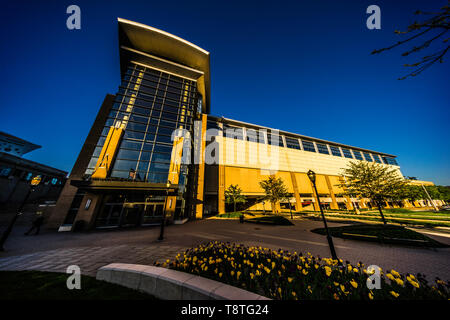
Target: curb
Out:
[170,284]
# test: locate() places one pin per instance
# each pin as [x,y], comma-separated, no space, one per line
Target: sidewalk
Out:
[54,251]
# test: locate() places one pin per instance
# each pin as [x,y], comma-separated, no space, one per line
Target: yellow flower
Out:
[294,294]
[414,283]
[343,289]
[316,266]
[399,281]
[349,267]
[195,259]
[395,294]
[216,270]
[304,272]
[327,271]
[273,265]
[395,273]
[220,275]
[390,276]
[232,273]
[355,270]
[370,296]
[206,268]
[290,279]
[279,290]
[336,297]
[335,283]
[252,276]
[238,274]
[354,284]
[267,270]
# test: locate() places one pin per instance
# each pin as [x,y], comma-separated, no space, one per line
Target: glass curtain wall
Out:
[149,105]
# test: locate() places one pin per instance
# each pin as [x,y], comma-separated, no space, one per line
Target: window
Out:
[390,160]
[368,157]
[255,136]
[347,153]
[308,146]
[292,143]
[54,181]
[322,148]
[377,158]
[275,140]
[335,151]
[4,172]
[357,155]
[234,133]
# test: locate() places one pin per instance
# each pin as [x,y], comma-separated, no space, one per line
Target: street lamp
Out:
[161,234]
[34,182]
[312,176]
[290,208]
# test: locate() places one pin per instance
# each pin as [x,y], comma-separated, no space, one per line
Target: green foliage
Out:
[283,275]
[374,181]
[233,195]
[274,189]
[383,234]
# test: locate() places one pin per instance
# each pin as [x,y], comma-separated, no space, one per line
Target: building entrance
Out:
[118,211]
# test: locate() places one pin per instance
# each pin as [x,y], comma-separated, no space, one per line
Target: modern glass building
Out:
[154,148]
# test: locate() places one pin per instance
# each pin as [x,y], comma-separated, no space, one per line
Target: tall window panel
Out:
[149,106]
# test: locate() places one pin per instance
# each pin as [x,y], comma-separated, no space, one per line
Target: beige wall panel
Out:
[258,155]
[304,184]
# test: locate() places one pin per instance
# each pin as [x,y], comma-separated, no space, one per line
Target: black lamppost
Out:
[312,176]
[161,234]
[290,208]
[34,182]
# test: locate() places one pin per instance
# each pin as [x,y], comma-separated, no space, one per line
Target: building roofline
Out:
[144,40]
[223,119]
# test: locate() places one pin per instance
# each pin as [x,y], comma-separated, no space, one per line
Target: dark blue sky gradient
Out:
[300,66]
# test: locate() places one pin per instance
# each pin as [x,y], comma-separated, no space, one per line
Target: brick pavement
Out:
[55,251]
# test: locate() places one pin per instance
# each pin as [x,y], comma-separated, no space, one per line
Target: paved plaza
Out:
[53,251]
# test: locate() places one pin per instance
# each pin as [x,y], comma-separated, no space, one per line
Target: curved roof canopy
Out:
[159,49]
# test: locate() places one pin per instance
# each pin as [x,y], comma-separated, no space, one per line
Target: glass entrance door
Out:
[153,213]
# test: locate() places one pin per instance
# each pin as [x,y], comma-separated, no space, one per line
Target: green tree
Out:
[445,193]
[233,195]
[374,181]
[275,190]
[431,31]
[413,193]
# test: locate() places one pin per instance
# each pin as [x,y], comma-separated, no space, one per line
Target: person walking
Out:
[36,224]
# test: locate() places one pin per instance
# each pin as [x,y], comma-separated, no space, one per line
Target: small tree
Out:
[233,195]
[374,181]
[275,190]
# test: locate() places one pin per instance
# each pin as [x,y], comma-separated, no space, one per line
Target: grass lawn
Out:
[382,233]
[37,285]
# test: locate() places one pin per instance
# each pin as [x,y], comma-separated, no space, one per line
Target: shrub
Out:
[285,275]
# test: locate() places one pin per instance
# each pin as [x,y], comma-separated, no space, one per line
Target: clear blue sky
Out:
[300,66]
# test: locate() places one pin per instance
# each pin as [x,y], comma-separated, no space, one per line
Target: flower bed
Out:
[285,275]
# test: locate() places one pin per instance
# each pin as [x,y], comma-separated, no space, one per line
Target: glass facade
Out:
[149,106]
[308,146]
[357,155]
[335,151]
[292,143]
[347,153]
[322,148]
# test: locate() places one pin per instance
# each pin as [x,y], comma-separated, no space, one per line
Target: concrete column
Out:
[334,204]
[298,201]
